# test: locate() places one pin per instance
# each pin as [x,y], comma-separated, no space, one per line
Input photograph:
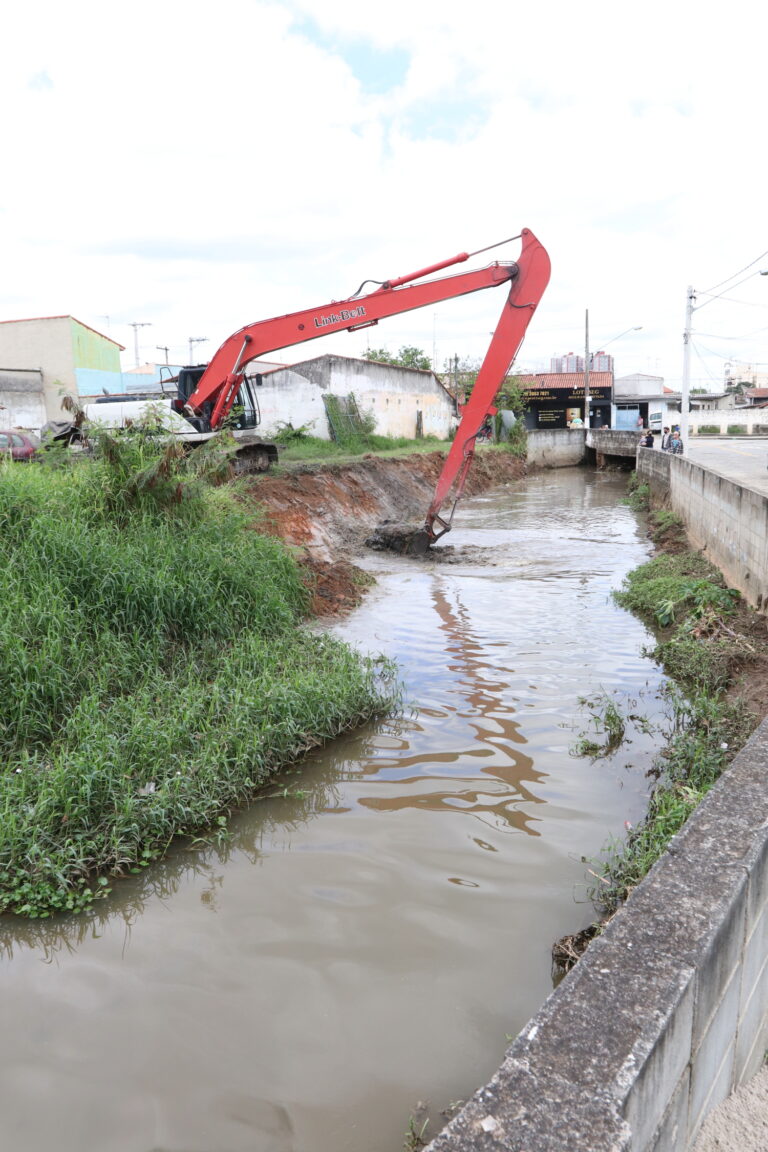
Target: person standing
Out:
[665,440]
[675,444]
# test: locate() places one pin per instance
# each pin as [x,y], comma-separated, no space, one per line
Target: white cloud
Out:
[203,166]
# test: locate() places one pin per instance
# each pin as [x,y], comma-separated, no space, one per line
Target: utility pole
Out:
[136,326]
[686,388]
[192,341]
[586,369]
[163,348]
[588,360]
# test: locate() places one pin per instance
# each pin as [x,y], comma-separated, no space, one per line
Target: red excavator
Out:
[207,394]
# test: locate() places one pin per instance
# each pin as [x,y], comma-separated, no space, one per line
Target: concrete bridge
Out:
[564,446]
[667,1012]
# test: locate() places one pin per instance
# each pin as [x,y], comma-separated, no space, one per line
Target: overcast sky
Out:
[199,166]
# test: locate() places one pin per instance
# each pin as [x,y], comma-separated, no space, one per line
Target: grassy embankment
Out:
[152,668]
[298,446]
[703,641]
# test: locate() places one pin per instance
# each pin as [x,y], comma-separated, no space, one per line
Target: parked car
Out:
[20,446]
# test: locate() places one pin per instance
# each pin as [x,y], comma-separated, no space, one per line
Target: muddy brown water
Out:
[372,941]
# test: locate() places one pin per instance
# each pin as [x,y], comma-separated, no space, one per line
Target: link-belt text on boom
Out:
[339,317]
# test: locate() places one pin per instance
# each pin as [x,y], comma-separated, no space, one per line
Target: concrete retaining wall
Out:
[564,447]
[558,448]
[613,441]
[666,1013]
[728,522]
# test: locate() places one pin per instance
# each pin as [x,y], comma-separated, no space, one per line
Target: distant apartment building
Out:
[598,362]
[568,363]
[745,374]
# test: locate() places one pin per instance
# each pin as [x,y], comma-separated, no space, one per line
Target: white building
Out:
[46,357]
[644,400]
[403,401]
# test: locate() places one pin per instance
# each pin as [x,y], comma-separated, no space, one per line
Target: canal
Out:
[374,931]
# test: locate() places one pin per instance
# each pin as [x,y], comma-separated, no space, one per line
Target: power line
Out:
[717,355]
[751,265]
[743,336]
[730,300]
[704,364]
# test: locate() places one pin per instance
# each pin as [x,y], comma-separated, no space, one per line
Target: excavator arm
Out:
[527,278]
[525,292]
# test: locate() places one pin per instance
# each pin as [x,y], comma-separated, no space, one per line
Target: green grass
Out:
[309,449]
[638,494]
[685,597]
[707,732]
[665,523]
[671,584]
[152,670]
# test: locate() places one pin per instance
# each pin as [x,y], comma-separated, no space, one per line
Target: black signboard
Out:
[550,418]
[568,397]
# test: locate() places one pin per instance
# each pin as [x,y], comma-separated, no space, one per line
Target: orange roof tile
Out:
[568,380]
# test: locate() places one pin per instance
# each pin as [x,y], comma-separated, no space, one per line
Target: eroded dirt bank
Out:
[328,510]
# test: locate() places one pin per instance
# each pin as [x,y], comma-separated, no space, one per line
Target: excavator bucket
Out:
[396,536]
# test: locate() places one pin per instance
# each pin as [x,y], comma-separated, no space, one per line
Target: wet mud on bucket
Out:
[398,536]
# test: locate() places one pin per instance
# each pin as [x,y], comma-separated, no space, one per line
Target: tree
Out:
[407,357]
[511,396]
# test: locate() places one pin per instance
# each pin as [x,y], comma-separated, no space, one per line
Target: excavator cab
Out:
[245,409]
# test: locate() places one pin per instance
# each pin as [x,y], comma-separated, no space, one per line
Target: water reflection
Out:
[487,710]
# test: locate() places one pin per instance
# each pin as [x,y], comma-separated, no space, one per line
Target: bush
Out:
[737,430]
[709,430]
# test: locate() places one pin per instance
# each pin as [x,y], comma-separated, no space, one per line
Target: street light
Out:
[586,359]
[637,328]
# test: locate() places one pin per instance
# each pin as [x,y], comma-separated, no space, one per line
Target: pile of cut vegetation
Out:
[152,669]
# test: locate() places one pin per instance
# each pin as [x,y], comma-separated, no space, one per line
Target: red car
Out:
[20,446]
